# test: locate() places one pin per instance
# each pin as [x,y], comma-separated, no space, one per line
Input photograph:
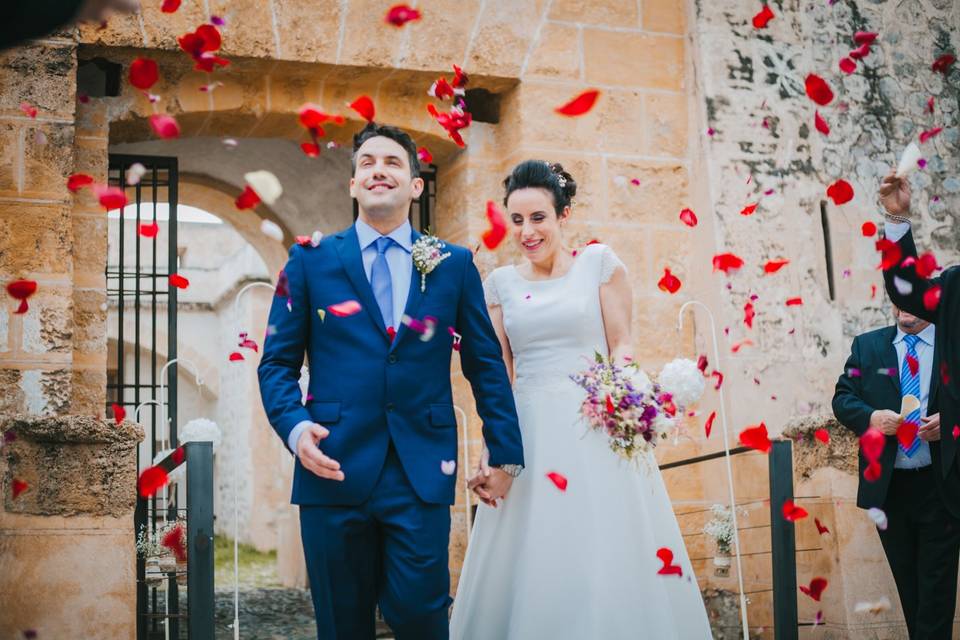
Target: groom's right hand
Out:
[308,451]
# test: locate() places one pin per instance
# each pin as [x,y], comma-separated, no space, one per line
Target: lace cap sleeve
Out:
[609,262]
[490,293]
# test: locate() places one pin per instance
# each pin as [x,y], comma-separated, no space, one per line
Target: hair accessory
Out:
[561,181]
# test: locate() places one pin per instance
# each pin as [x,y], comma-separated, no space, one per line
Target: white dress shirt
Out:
[925,356]
[400,261]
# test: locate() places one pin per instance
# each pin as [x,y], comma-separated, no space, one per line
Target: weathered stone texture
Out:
[72,464]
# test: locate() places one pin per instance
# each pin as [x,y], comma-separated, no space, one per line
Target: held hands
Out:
[488,483]
[895,195]
[308,451]
[929,428]
[885,421]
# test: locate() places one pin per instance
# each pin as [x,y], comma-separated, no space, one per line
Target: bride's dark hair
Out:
[540,174]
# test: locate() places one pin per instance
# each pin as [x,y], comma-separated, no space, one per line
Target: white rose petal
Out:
[265,184]
[271,230]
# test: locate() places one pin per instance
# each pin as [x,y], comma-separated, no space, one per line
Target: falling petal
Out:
[135,173]
[669,282]
[840,192]
[931,298]
[18,487]
[930,102]
[765,15]
[816,588]
[424,155]
[847,65]
[559,480]
[236,356]
[821,528]
[265,184]
[272,230]
[890,253]
[748,315]
[78,181]
[322,313]
[775,265]
[579,105]
[908,160]
[179,281]
[879,517]
[869,229]
[860,52]
[820,123]
[883,604]
[792,512]
[708,425]
[748,210]
[668,568]
[930,133]
[903,287]
[170,6]
[143,73]
[688,217]
[248,199]
[28,109]
[164,126]
[448,467]
[21,290]
[110,198]
[345,308]
[756,438]
[943,63]
[400,14]
[818,90]
[151,480]
[493,236]
[727,262]
[719,376]
[794,302]
[822,435]
[310,149]
[149,230]
[364,106]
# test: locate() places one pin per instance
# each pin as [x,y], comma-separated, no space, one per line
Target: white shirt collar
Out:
[927,335]
[402,235]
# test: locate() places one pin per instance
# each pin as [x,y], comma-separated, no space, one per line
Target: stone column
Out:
[67,556]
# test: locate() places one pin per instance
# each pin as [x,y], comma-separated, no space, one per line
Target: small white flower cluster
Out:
[683,380]
[720,527]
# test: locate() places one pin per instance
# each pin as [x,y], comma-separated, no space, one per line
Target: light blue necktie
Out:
[910,385]
[381,281]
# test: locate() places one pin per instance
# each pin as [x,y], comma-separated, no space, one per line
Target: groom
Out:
[378,424]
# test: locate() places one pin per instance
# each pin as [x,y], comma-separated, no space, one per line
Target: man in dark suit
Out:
[922,537]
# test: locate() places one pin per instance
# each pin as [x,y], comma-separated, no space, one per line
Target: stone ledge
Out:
[809,454]
[72,465]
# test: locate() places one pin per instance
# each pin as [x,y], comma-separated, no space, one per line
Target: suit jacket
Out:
[858,396]
[369,390]
[946,315]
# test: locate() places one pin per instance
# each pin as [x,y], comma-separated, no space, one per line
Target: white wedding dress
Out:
[576,564]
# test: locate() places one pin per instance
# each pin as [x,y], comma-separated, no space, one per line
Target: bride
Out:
[572,551]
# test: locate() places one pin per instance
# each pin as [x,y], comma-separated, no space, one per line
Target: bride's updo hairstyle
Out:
[539,174]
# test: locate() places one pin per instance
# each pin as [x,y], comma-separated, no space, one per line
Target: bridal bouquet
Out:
[631,409]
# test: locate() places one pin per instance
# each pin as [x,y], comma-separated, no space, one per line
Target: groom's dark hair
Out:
[374,130]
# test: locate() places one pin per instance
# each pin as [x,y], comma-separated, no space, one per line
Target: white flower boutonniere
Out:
[427,253]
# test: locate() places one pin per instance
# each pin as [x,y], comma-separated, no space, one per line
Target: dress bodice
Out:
[554,326]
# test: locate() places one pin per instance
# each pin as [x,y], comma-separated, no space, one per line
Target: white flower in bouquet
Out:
[201,430]
[640,379]
[683,380]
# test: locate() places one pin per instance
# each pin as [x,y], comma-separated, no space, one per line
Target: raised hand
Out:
[895,195]
[314,460]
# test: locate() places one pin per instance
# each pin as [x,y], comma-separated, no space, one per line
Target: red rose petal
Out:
[21,290]
[907,433]
[840,192]
[816,588]
[391,333]
[165,126]
[860,52]
[669,282]
[868,229]
[310,149]
[668,568]
[943,63]
[579,105]
[890,253]
[424,155]
[956,431]
[493,236]
[144,73]
[726,262]
[364,106]
[926,265]
[178,455]
[18,487]
[719,376]
[119,413]
[179,281]
[236,356]
[756,438]
[170,6]
[452,122]
[822,435]
[818,90]
[872,472]
[312,117]
[763,17]
[151,480]
[930,133]
[708,425]
[28,109]
[865,37]
[400,14]
[345,308]
[559,480]
[688,218]
[748,315]
[149,230]
[847,65]
[792,512]
[773,266]
[609,405]
[110,197]
[78,181]
[749,209]
[247,200]
[821,528]
[820,123]
[931,298]
[794,302]
[913,364]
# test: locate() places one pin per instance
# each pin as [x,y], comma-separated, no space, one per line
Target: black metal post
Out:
[200,609]
[783,543]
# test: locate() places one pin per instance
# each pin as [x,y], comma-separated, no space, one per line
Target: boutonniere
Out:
[427,254]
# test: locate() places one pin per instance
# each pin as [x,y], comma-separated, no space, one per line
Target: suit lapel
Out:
[888,357]
[413,298]
[934,392]
[348,249]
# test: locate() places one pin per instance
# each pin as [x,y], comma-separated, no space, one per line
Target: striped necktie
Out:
[910,385]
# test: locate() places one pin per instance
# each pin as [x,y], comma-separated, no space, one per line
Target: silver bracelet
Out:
[898,219]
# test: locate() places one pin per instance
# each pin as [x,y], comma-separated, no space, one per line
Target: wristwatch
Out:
[512,470]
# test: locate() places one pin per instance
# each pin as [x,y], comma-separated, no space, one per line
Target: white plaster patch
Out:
[33,392]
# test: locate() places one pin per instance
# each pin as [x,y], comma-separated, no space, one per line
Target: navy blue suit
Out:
[382,533]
